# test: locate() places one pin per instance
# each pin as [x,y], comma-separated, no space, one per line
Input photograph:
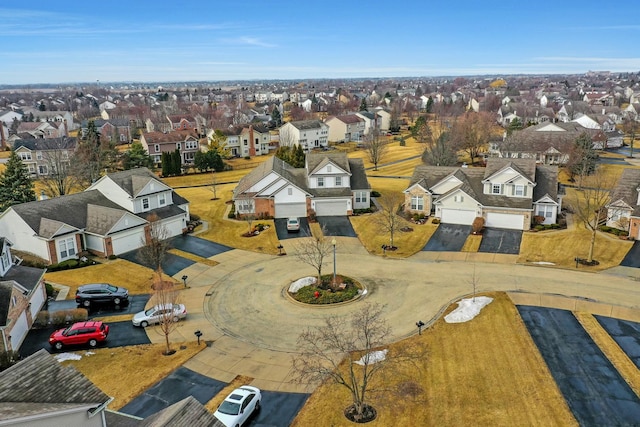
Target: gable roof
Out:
[626,189]
[307,124]
[316,161]
[175,136]
[40,384]
[34,144]
[132,181]
[525,167]
[186,412]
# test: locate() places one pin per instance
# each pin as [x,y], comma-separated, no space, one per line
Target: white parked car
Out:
[157,313]
[293,225]
[236,408]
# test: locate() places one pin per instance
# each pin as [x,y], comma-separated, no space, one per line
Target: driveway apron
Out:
[336,226]
[448,238]
[501,241]
[197,246]
[632,258]
[283,234]
[171,265]
[594,390]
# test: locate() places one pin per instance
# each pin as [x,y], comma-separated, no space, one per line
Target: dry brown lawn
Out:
[372,235]
[138,368]
[228,231]
[486,372]
[136,278]
[472,244]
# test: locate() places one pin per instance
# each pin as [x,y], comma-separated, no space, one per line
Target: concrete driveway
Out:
[336,226]
[448,238]
[283,234]
[121,334]
[632,258]
[197,246]
[501,241]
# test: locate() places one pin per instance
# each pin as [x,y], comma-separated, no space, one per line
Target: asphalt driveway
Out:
[632,258]
[283,234]
[197,246]
[596,393]
[448,238]
[626,334]
[137,303]
[171,265]
[501,241]
[121,334]
[277,408]
[336,226]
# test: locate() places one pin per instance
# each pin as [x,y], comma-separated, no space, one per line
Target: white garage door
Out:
[173,226]
[331,208]
[456,216]
[127,241]
[501,220]
[19,331]
[291,210]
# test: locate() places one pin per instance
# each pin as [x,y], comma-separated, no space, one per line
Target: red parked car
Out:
[82,333]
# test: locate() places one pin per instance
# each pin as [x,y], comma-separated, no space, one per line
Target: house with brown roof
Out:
[349,127]
[185,141]
[330,184]
[506,193]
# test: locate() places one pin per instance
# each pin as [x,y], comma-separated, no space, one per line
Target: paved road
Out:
[241,304]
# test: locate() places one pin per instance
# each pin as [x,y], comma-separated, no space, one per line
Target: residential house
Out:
[385,119]
[547,143]
[330,184]
[44,157]
[255,140]
[307,133]
[110,217]
[40,130]
[623,211]
[185,141]
[40,391]
[506,193]
[22,295]
[371,121]
[184,122]
[232,142]
[186,412]
[346,128]
[117,131]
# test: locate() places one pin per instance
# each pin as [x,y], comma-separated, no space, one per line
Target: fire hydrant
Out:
[316,294]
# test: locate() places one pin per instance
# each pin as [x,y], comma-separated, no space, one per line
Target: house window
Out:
[67,248]
[145,203]
[245,206]
[39,155]
[361,197]
[123,137]
[417,203]
[519,190]
[246,142]
[178,146]
[25,156]
[191,145]
[328,168]
[338,181]
[290,191]
[65,155]
[43,170]
[458,199]
[320,181]
[545,211]
[157,148]
[162,199]
[189,156]
[496,189]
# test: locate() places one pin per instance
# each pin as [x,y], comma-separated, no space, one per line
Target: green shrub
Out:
[375,193]
[113,256]
[555,226]
[402,142]
[435,221]
[194,217]
[232,212]
[49,288]
[247,157]
[539,227]
[605,228]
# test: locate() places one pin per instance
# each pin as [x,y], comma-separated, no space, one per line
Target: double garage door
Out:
[331,208]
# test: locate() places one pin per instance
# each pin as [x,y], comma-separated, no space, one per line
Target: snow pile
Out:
[67,356]
[301,283]
[468,308]
[373,357]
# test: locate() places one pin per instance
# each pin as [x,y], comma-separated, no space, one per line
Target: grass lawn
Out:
[138,368]
[136,278]
[484,372]
[227,231]
[372,236]
[472,244]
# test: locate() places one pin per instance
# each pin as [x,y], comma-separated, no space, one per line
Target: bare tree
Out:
[472,132]
[631,128]
[474,282]
[155,246]
[249,218]
[347,351]
[388,218]
[214,185]
[589,203]
[62,177]
[441,153]
[375,146]
[313,250]
[165,299]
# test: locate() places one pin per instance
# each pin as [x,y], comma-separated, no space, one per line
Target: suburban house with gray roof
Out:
[623,211]
[22,295]
[43,157]
[330,184]
[39,391]
[110,217]
[309,134]
[507,193]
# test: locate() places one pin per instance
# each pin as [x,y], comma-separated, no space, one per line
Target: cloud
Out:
[249,41]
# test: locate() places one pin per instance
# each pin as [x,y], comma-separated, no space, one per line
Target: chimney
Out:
[603,111]
[3,141]
[252,146]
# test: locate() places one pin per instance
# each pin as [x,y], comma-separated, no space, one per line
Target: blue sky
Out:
[147,41]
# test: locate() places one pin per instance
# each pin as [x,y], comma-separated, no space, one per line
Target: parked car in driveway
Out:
[293,225]
[236,408]
[156,313]
[89,333]
[93,294]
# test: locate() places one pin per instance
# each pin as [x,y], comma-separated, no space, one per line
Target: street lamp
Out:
[333,242]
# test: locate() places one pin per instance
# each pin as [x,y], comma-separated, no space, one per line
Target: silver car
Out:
[157,314]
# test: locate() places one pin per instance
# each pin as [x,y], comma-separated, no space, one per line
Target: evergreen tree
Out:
[363,105]
[515,124]
[215,161]
[15,184]
[137,157]
[430,104]
[176,163]
[166,164]
[200,161]
[276,117]
[298,157]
